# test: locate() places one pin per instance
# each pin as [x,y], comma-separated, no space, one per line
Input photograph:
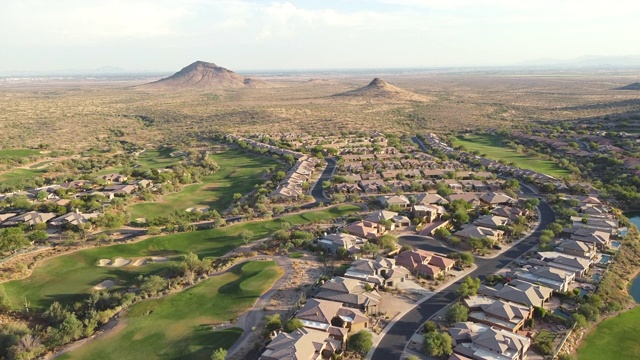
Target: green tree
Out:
[38,236]
[273,323]
[456,313]
[436,344]
[531,204]
[246,236]
[292,324]
[429,326]
[70,329]
[12,238]
[590,312]
[442,232]
[468,287]
[219,354]
[388,242]
[153,285]
[579,320]
[360,342]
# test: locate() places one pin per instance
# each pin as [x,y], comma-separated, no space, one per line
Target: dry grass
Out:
[81,114]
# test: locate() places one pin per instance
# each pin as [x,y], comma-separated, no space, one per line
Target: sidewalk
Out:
[378,337]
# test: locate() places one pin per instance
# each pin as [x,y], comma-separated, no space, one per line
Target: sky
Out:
[163,35]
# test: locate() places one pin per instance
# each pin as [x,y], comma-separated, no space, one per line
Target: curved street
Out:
[397,336]
[318,192]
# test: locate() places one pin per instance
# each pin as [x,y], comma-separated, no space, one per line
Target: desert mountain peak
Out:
[377,82]
[380,89]
[206,75]
[634,86]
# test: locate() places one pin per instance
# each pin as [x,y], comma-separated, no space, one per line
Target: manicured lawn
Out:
[239,173]
[17,153]
[18,175]
[158,159]
[179,326]
[545,335]
[69,278]
[491,146]
[615,338]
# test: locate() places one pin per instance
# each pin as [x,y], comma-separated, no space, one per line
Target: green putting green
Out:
[68,278]
[179,326]
[614,338]
[491,146]
[239,172]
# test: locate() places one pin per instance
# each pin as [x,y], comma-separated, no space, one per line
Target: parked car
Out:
[497,247]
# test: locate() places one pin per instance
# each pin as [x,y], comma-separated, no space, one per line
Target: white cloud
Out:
[75,22]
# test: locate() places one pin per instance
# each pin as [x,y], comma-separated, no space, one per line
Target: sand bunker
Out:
[121,262]
[104,262]
[159,259]
[202,209]
[105,285]
[140,262]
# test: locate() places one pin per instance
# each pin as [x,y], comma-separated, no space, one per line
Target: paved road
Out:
[392,344]
[317,191]
[420,144]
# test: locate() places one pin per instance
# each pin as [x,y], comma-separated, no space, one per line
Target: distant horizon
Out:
[545,64]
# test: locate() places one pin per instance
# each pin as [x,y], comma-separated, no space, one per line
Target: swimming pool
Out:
[604,259]
[562,313]
[596,277]
[615,244]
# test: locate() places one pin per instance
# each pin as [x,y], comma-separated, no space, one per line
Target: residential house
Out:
[365,229]
[552,277]
[333,242]
[382,217]
[301,344]
[600,239]
[424,263]
[453,184]
[471,198]
[510,212]
[121,189]
[380,272]
[395,200]
[603,224]
[401,221]
[428,213]
[426,199]
[6,216]
[577,248]
[579,265]
[481,342]
[519,291]
[478,232]
[502,314]
[30,218]
[72,218]
[324,315]
[347,188]
[351,293]
[492,221]
[495,199]
[371,186]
